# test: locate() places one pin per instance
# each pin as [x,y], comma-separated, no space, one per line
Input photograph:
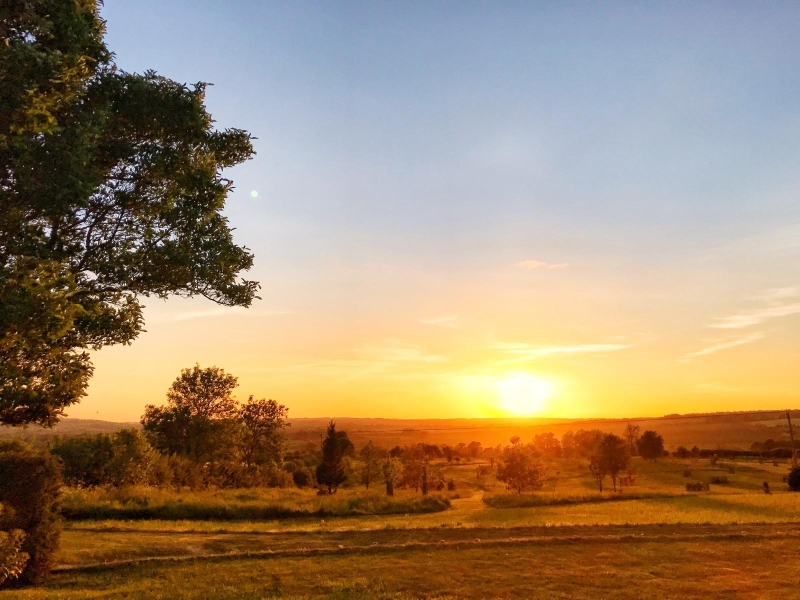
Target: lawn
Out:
[566,540]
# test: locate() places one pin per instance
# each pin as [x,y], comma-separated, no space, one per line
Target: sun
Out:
[523,394]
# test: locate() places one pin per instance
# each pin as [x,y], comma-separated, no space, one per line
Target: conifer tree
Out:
[330,472]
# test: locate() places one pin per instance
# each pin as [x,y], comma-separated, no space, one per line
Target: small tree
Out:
[330,471]
[650,445]
[370,456]
[612,454]
[632,436]
[598,469]
[518,468]
[392,474]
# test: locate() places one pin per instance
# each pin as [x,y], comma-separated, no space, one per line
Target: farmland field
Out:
[653,540]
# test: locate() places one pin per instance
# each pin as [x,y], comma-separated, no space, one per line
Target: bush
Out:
[12,558]
[303,477]
[697,487]
[794,479]
[29,487]
[720,480]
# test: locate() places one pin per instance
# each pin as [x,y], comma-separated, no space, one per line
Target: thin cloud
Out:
[540,264]
[450,321]
[726,344]
[782,302]
[525,352]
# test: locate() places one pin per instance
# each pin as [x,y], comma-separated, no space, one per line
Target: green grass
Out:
[566,541]
[238,505]
[723,566]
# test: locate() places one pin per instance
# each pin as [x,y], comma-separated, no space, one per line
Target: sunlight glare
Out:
[524,395]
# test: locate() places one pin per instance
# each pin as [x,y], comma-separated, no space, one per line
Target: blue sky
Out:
[412,155]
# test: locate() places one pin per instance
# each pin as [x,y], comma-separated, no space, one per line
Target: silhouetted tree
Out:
[632,436]
[330,471]
[111,190]
[611,457]
[650,445]
[547,444]
[518,467]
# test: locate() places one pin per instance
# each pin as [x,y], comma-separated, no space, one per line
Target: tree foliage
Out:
[330,471]
[111,190]
[30,486]
[263,440]
[519,467]
[650,445]
[199,420]
[610,457]
[794,479]
[392,474]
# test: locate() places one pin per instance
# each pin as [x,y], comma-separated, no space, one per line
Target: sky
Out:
[478,209]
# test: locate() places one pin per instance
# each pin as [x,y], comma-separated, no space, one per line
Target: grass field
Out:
[654,540]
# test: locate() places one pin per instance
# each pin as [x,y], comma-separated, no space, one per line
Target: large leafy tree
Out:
[111,190]
[200,420]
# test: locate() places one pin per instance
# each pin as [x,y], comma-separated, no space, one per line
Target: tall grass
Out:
[139,503]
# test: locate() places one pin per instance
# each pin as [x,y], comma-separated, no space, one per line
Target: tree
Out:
[111,190]
[632,436]
[547,444]
[598,470]
[263,440]
[370,456]
[392,474]
[611,457]
[518,468]
[330,471]
[650,445]
[199,419]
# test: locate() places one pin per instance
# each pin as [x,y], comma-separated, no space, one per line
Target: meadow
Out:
[567,540]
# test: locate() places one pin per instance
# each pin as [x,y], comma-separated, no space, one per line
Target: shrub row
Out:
[174,510]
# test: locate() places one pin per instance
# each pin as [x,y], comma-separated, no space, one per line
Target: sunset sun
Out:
[524,395]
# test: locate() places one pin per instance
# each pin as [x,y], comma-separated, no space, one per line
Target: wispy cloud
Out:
[540,264]
[228,312]
[781,302]
[725,344]
[450,321]
[524,352]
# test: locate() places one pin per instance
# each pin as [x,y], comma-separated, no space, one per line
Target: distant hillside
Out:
[66,427]
[717,430]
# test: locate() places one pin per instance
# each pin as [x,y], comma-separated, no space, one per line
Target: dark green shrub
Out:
[303,477]
[794,479]
[29,488]
[697,487]
[719,480]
